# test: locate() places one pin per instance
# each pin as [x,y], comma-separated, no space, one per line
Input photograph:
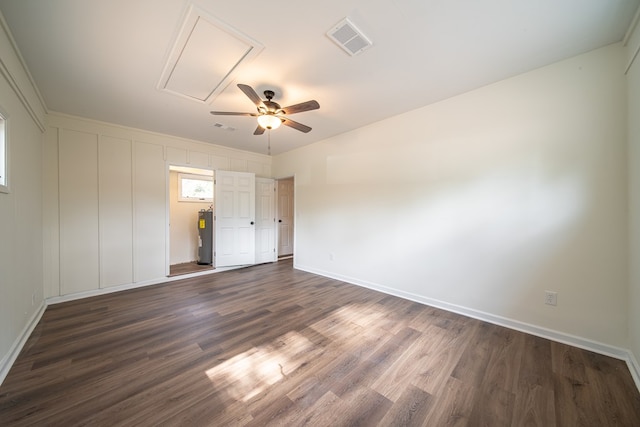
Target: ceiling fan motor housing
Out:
[272,106]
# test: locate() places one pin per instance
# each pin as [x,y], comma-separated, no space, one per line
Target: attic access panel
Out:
[205,57]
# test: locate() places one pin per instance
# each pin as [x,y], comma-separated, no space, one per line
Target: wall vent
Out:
[349,37]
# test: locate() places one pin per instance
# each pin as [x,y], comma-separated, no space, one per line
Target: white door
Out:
[235,218]
[285,217]
[265,220]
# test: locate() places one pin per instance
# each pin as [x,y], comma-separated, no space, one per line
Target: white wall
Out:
[21,229]
[107,188]
[184,225]
[633,81]
[484,201]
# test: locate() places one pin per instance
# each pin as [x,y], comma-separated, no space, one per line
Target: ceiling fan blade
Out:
[303,106]
[259,130]
[251,94]
[231,113]
[295,125]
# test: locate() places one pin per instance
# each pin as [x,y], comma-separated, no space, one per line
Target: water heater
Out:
[205,237]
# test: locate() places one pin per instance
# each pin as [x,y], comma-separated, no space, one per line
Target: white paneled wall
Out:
[633,99]
[150,212]
[21,209]
[198,159]
[176,155]
[115,211]
[109,186]
[51,217]
[79,255]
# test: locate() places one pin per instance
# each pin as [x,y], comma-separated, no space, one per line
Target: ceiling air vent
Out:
[349,37]
[224,127]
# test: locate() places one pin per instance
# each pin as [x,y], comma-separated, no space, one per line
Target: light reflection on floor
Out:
[251,372]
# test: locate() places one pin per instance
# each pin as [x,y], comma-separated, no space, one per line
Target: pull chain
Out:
[269,142]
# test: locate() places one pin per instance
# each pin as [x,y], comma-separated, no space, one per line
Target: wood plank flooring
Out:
[188,267]
[272,346]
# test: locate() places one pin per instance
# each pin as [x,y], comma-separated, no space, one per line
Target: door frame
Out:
[168,167]
[272,222]
[295,198]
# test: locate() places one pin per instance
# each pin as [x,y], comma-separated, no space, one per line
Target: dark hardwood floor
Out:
[188,267]
[269,345]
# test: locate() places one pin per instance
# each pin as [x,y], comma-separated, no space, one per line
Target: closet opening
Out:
[191,228]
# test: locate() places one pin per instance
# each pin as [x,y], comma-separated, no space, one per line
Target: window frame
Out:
[198,177]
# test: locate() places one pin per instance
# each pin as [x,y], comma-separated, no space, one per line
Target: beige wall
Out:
[633,81]
[482,202]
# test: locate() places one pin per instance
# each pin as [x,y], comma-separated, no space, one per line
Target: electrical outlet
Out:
[550,298]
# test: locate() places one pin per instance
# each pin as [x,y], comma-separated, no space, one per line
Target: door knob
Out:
[251,222]
[279,220]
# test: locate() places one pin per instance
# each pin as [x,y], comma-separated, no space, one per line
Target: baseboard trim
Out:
[573,340]
[634,368]
[619,353]
[18,344]
[9,359]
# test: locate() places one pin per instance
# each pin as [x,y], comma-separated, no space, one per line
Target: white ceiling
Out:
[103,59]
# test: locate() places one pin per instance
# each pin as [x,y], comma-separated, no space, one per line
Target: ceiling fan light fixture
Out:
[270,114]
[269,121]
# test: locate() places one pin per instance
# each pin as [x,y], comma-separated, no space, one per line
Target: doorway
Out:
[190,191]
[244,220]
[285,210]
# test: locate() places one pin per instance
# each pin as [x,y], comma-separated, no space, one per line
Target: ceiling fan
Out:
[270,115]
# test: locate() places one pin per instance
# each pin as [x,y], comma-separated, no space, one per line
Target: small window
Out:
[195,188]
[4,183]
